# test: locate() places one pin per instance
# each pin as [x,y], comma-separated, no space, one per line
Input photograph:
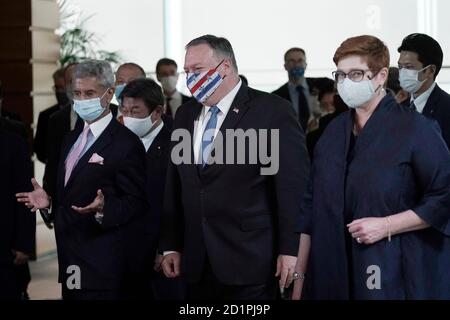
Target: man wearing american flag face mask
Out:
[232,232]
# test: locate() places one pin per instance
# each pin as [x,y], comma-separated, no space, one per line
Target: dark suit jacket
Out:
[144,242]
[283,92]
[18,224]
[438,107]
[40,139]
[13,126]
[100,249]
[9,115]
[58,128]
[184,99]
[157,161]
[237,218]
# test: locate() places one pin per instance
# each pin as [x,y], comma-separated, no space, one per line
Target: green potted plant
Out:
[78,43]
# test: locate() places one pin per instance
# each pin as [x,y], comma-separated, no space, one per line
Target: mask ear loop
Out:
[380,86]
[102,98]
[423,69]
[215,69]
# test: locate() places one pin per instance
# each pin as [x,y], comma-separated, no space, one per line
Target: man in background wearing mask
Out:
[60,124]
[420,62]
[126,73]
[167,75]
[142,109]
[40,139]
[297,89]
[100,190]
[229,229]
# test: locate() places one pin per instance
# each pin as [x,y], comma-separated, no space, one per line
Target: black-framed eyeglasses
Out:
[354,75]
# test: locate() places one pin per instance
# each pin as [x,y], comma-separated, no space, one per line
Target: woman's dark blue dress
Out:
[398,162]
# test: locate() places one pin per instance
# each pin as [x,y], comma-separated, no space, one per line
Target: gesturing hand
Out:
[37,199]
[96,205]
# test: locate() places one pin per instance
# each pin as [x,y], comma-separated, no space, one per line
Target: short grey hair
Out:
[99,69]
[221,46]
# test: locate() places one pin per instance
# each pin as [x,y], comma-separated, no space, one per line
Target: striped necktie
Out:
[208,135]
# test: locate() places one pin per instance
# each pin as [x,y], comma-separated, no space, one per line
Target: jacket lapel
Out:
[160,142]
[432,101]
[102,141]
[192,122]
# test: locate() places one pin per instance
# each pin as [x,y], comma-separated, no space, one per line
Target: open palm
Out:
[37,199]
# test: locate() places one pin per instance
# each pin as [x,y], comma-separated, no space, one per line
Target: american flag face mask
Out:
[203,85]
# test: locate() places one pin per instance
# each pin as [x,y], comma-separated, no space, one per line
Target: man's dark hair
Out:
[221,47]
[428,50]
[147,90]
[393,82]
[326,86]
[58,74]
[295,49]
[165,62]
[133,65]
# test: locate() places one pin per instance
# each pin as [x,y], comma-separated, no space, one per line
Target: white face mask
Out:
[169,83]
[356,94]
[409,80]
[140,127]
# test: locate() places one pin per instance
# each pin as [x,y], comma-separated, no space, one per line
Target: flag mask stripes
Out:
[202,85]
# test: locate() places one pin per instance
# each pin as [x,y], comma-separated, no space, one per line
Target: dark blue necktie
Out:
[303,108]
[208,135]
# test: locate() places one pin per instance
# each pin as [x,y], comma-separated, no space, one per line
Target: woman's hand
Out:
[369,230]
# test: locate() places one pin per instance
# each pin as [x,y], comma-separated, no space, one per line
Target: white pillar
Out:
[427,18]
[173,40]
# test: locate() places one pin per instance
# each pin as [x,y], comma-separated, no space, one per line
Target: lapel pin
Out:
[236,110]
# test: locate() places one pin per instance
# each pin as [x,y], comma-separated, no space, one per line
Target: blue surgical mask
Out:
[297,72]
[89,110]
[203,85]
[119,89]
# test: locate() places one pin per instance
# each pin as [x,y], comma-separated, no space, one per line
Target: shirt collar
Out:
[175,95]
[303,83]
[225,104]
[99,126]
[421,100]
[148,139]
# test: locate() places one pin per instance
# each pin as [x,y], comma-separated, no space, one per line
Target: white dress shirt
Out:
[175,102]
[96,129]
[421,100]
[200,124]
[150,137]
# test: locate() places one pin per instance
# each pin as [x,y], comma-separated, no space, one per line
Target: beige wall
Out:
[45,54]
